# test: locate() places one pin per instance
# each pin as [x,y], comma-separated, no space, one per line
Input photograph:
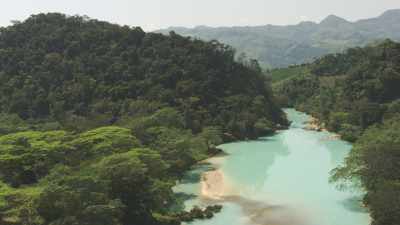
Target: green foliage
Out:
[296,90]
[281,74]
[11,124]
[77,201]
[108,71]
[351,91]
[97,121]
[263,126]
[385,203]
[4,191]
[374,161]
[172,142]
[212,136]
[17,205]
[337,120]
[392,109]
[166,117]
[197,213]
[104,141]
[357,95]
[27,156]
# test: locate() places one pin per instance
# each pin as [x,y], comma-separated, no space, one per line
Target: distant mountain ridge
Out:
[281,46]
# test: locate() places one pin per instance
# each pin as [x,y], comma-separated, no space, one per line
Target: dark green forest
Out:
[98,121]
[357,94]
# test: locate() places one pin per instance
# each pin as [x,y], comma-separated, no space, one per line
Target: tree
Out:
[28,156]
[374,163]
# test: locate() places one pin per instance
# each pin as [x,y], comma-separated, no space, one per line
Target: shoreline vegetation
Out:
[314,124]
[213,183]
[356,95]
[98,121]
[216,188]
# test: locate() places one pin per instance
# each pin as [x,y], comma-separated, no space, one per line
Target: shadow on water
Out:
[354,204]
[261,213]
[180,199]
[186,189]
[194,175]
[262,139]
[267,168]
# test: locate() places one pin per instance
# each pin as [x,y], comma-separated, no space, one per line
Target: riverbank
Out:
[213,184]
[257,182]
[315,125]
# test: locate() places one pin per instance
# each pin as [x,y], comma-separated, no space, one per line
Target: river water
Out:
[278,180]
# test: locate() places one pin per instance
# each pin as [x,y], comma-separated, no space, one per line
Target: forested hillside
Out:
[357,94]
[282,46]
[97,121]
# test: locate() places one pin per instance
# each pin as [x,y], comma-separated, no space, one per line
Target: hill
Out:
[357,95]
[97,121]
[281,46]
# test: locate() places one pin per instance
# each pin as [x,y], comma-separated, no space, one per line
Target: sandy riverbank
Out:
[214,184]
[315,124]
[215,187]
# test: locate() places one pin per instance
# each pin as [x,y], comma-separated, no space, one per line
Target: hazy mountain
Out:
[280,46]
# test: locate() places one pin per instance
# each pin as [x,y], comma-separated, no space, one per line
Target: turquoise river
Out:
[277,180]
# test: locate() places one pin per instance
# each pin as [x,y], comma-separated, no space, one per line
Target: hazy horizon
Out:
[158,14]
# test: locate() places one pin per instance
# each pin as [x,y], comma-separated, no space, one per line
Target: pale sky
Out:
[155,14]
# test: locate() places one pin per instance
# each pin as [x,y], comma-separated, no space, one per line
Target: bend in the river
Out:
[277,180]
